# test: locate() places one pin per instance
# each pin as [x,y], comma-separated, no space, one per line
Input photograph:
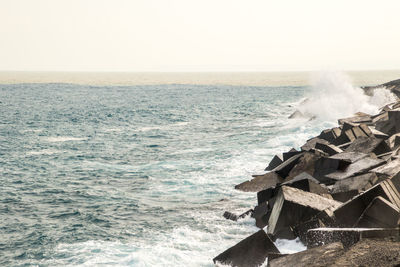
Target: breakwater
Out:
[339,194]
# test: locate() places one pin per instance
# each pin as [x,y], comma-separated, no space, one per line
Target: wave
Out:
[332,96]
[63,139]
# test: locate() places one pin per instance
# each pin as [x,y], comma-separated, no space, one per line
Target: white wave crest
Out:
[333,96]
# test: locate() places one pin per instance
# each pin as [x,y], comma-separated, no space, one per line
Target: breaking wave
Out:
[333,96]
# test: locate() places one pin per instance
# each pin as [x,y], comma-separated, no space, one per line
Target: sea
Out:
[137,169]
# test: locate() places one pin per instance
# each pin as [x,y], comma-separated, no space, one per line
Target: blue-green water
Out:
[134,176]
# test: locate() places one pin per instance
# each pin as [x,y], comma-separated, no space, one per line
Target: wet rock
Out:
[347,236]
[319,256]
[276,160]
[300,230]
[380,213]
[369,145]
[260,182]
[251,251]
[293,206]
[348,214]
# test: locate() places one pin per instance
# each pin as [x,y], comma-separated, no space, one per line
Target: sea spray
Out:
[333,96]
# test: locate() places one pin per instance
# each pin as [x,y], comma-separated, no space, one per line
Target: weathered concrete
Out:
[305,163]
[379,213]
[330,134]
[260,182]
[251,251]
[388,170]
[311,143]
[292,152]
[348,214]
[394,141]
[347,236]
[369,145]
[319,256]
[346,189]
[328,148]
[293,206]
[371,252]
[276,160]
[284,168]
[359,167]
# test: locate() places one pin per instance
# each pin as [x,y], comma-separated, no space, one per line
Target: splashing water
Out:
[332,96]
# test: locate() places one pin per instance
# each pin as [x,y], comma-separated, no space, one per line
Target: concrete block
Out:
[276,160]
[369,145]
[251,251]
[380,213]
[328,148]
[349,212]
[293,206]
[260,182]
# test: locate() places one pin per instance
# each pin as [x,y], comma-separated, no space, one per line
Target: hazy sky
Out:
[201,35]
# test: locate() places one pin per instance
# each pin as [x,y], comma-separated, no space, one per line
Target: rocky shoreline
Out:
[339,194]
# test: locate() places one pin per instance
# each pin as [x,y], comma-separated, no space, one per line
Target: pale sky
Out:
[201,35]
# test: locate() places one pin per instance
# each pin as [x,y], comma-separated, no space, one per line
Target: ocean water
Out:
[140,175]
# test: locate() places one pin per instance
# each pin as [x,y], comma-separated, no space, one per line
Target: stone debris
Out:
[339,194]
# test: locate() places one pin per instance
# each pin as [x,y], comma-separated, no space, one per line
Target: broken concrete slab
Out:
[328,148]
[292,152]
[378,134]
[324,166]
[260,182]
[359,167]
[369,145]
[347,236]
[293,206]
[359,118]
[276,160]
[330,134]
[394,141]
[388,170]
[319,256]
[348,214]
[284,168]
[306,182]
[251,251]
[344,190]
[380,213]
[311,143]
[305,163]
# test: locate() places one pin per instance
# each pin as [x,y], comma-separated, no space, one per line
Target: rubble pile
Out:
[339,194]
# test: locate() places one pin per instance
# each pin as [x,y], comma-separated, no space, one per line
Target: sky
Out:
[201,35]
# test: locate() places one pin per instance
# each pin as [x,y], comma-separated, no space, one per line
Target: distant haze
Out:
[189,35]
